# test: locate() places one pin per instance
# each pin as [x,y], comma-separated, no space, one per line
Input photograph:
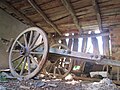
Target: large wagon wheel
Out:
[59,67]
[28,53]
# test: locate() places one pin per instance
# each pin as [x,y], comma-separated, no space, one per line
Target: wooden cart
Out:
[30,51]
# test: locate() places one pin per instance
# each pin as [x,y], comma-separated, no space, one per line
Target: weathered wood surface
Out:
[57,13]
[39,10]
[95,58]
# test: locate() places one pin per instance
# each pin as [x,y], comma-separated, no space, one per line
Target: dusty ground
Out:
[56,84]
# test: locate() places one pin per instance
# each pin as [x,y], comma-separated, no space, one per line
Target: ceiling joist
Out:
[69,7]
[39,10]
[14,10]
[97,11]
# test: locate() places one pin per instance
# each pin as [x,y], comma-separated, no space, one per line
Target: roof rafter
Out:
[14,10]
[69,7]
[97,11]
[39,10]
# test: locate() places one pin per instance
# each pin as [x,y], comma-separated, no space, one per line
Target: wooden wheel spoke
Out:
[17,58]
[34,40]
[59,71]
[20,44]
[54,72]
[21,57]
[20,62]
[28,61]
[30,39]
[37,46]
[62,65]
[25,40]
[33,60]
[50,69]
[23,66]
[16,51]
[39,53]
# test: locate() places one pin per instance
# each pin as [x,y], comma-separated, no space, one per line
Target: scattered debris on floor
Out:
[39,84]
[3,78]
[2,88]
[104,84]
[9,83]
[25,87]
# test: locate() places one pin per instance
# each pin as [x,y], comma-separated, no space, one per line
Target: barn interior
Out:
[71,39]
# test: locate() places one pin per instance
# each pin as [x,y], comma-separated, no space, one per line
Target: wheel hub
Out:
[25,51]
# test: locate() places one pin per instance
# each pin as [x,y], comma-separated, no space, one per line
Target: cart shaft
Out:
[88,57]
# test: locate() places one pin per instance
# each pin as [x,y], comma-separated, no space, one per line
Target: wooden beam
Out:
[84,35]
[69,7]
[39,10]
[97,11]
[14,10]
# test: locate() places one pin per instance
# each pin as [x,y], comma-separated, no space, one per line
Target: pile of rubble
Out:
[104,84]
[8,82]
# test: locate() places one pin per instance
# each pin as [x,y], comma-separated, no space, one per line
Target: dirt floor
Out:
[57,84]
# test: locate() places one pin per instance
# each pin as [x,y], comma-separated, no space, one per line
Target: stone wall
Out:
[115,43]
[115,47]
[9,28]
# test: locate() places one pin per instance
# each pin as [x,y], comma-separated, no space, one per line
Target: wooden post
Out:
[118,73]
[84,45]
[106,50]
[70,43]
[64,42]
[95,45]
[96,51]
[75,48]
[83,49]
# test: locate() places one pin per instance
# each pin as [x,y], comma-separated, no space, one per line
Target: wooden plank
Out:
[59,16]
[23,4]
[110,2]
[14,10]
[52,4]
[81,3]
[39,10]
[83,49]
[95,45]
[64,42]
[75,44]
[75,48]
[93,58]
[70,43]
[106,48]
[55,10]
[84,45]
[69,7]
